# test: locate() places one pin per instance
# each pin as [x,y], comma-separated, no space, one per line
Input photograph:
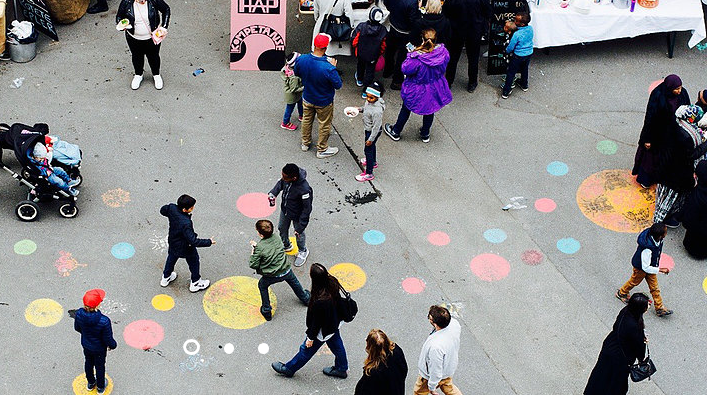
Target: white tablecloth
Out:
[555,26]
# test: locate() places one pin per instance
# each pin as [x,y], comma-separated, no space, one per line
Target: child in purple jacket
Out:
[425,90]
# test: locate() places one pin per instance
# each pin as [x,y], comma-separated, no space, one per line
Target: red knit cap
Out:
[94,297]
[322,40]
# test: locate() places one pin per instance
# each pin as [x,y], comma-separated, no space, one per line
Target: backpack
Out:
[348,308]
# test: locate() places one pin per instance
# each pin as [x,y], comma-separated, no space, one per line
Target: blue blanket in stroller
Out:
[67,153]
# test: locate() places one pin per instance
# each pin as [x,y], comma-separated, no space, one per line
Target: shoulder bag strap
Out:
[331,8]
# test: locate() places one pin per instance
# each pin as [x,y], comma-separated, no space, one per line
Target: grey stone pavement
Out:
[216,136]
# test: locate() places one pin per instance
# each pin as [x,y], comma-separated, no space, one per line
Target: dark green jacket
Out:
[268,257]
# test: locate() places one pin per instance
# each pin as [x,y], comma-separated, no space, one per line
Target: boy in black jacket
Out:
[368,41]
[183,242]
[295,208]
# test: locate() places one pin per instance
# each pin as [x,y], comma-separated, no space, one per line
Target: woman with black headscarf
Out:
[625,343]
[660,118]
[695,215]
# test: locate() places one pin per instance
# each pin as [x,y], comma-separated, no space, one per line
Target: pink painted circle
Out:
[545,205]
[532,257]
[490,267]
[255,205]
[413,285]
[653,85]
[438,238]
[143,334]
[666,262]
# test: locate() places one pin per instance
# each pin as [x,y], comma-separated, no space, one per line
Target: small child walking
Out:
[521,49]
[268,259]
[372,125]
[368,41]
[293,91]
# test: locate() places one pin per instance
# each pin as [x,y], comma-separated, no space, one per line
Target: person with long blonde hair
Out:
[385,368]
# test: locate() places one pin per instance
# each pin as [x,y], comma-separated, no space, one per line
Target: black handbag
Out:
[643,369]
[337,27]
[348,308]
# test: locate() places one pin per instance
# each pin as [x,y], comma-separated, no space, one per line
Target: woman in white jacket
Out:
[321,11]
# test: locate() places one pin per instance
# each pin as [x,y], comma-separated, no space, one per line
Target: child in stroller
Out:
[56,176]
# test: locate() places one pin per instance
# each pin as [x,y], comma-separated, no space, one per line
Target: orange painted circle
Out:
[613,200]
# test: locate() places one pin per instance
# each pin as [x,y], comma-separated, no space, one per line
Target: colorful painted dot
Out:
[80,383]
[557,168]
[234,302]
[263,348]
[654,84]
[568,245]
[25,247]
[413,285]
[495,236]
[123,251]
[163,302]
[228,348]
[350,276]
[255,205]
[666,262]
[545,205]
[44,312]
[374,237]
[704,285]
[490,267]
[532,257]
[607,147]
[438,238]
[143,334]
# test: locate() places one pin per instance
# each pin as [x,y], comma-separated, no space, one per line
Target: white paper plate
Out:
[351,111]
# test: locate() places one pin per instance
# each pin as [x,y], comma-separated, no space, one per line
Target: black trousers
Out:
[366,72]
[95,360]
[473,47]
[395,53]
[141,48]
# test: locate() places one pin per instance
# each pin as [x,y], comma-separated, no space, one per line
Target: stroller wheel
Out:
[27,211]
[26,174]
[68,210]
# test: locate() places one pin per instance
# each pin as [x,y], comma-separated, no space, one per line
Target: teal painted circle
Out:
[568,245]
[557,168]
[495,236]
[25,247]
[123,251]
[374,237]
[607,147]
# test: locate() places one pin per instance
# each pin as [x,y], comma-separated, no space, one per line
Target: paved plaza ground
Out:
[533,287]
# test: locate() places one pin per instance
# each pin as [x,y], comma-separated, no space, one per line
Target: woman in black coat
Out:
[385,368]
[695,215]
[659,120]
[433,19]
[625,344]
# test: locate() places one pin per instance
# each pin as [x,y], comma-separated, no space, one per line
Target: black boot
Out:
[100,6]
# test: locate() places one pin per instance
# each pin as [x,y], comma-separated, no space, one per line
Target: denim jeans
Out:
[284,228]
[403,117]
[366,72]
[95,360]
[290,108]
[517,64]
[192,260]
[336,345]
[291,279]
[59,178]
[370,152]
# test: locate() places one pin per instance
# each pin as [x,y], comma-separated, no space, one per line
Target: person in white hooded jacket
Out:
[440,354]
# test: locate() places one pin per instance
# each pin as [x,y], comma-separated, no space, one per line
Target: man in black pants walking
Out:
[403,15]
[469,19]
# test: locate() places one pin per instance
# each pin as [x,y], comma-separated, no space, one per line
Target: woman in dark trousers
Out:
[322,326]
[694,216]
[625,344]
[659,121]
[144,18]
[385,368]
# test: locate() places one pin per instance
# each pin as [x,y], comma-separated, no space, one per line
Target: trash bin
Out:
[22,52]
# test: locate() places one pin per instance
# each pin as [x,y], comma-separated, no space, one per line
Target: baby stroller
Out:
[22,138]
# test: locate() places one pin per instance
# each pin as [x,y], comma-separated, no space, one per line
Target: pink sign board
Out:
[257,34]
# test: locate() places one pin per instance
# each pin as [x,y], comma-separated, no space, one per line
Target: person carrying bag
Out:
[338,27]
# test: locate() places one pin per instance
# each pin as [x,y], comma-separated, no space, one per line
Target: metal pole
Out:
[18,14]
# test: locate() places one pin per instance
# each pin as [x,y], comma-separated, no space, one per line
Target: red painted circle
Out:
[255,205]
[545,205]
[143,334]
[666,262]
[490,267]
[653,85]
[438,238]
[413,285]
[532,257]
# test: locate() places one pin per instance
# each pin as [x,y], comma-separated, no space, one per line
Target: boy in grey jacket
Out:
[372,125]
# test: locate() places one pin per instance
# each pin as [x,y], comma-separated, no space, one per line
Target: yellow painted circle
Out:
[234,302]
[295,250]
[704,285]
[349,275]
[44,312]
[79,384]
[614,200]
[163,302]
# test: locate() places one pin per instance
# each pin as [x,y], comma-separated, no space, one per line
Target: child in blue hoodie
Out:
[521,49]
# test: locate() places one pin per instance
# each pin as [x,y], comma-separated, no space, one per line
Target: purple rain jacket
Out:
[425,89]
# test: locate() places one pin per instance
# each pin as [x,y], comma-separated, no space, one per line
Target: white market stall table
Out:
[556,26]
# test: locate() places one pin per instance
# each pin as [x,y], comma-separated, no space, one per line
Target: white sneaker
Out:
[331,150]
[137,79]
[158,81]
[304,147]
[199,285]
[165,281]
[301,258]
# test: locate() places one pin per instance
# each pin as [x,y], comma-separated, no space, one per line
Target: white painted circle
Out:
[263,348]
[191,352]
[228,348]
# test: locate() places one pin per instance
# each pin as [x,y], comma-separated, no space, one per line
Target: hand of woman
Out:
[309,343]
[647,145]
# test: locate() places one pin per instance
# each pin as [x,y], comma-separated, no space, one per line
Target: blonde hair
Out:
[433,7]
[90,309]
[429,40]
[378,347]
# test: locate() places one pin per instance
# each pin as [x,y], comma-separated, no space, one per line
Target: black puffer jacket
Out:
[438,22]
[125,10]
[182,239]
[369,40]
[296,199]
[96,331]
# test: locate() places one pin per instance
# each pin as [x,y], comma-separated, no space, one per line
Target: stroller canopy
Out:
[20,138]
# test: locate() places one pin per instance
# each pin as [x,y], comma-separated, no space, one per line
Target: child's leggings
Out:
[370,152]
[289,109]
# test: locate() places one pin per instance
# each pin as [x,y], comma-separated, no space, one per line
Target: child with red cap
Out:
[96,338]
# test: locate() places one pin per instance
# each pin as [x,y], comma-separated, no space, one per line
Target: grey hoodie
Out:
[373,118]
